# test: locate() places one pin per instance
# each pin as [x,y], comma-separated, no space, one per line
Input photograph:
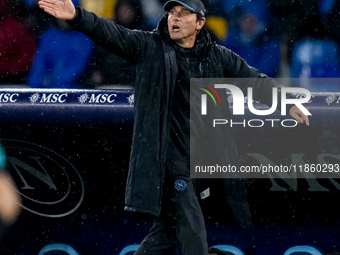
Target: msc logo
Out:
[48,98]
[49,185]
[97,98]
[8,97]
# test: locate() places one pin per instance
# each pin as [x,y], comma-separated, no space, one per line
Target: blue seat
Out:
[302,250]
[130,249]
[57,249]
[229,248]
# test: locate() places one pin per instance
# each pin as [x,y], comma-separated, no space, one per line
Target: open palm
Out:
[60,9]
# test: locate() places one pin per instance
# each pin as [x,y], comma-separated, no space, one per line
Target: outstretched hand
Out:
[298,115]
[63,9]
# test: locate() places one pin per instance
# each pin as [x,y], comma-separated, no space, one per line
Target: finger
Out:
[306,119]
[301,117]
[297,117]
[49,1]
[49,11]
[45,6]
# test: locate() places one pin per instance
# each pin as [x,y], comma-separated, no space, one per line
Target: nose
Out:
[177,17]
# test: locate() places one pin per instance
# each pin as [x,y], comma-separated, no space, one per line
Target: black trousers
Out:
[181,223]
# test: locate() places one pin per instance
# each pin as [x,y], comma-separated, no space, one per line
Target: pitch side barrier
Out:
[68,153]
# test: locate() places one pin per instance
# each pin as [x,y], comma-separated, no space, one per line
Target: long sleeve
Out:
[129,44]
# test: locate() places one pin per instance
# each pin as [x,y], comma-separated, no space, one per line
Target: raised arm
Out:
[60,9]
[129,44]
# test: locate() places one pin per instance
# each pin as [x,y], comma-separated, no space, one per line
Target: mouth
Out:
[175,28]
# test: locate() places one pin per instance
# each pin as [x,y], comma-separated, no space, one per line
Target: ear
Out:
[200,23]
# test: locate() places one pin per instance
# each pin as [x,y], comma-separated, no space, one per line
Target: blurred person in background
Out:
[61,58]
[152,11]
[9,198]
[295,20]
[250,35]
[37,22]
[17,46]
[110,69]
[331,19]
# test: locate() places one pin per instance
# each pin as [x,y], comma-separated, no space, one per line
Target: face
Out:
[183,26]
[248,23]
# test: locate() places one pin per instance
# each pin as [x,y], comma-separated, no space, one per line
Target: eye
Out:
[185,13]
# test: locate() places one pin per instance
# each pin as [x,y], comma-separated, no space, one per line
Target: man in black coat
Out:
[166,58]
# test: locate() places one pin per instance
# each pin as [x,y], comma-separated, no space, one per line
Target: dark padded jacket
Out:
[155,60]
